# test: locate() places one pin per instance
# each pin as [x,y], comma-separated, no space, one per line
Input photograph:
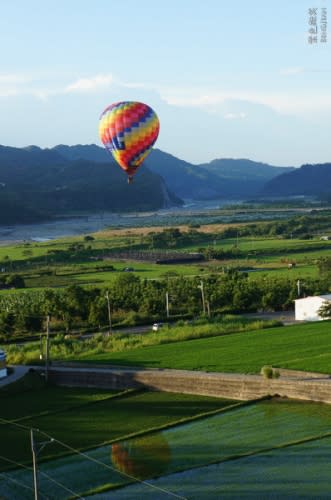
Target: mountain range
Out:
[224,178]
[37,183]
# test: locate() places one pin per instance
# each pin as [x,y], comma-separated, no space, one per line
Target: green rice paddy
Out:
[302,347]
[269,449]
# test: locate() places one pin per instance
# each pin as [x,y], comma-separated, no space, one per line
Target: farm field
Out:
[84,418]
[230,453]
[302,347]
[233,451]
[59,263]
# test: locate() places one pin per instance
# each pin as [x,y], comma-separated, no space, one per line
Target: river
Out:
[205,212]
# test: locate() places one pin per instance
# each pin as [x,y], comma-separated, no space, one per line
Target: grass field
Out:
[304,347]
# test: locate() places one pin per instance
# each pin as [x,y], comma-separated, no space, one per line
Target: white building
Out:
[307,309]
[3,369]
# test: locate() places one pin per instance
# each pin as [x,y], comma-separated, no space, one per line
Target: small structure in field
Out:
[306,309]
[3,367]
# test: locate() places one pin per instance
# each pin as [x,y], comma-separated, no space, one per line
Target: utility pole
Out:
[109,314]
[299,288]
[41,347]
[208,308]
[167,304]
[36,449]
[34,462]
[202,297]
[47,348]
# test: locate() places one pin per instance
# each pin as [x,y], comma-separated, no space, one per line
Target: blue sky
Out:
[227,79]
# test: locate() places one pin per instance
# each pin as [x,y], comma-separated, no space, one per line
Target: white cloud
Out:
[295,70]
[135,85]
[235,116]
[90,84]
[12,79]
[292,102]
[4,92]
[12,84]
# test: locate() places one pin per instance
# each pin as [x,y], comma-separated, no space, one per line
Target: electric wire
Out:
[19,483]
[77,452]
[42,473]
[9,478]
[50,478]
[15,463]
[70,448]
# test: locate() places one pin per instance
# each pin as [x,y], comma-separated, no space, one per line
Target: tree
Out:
[126,292]
[325,310]
[15,281]
[76,301]
[7,323]
[324,266]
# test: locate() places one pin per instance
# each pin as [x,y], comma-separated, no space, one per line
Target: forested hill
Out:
[39,183]
[222,178]
[309,180]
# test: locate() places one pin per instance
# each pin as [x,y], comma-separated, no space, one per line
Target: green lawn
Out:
[304,347]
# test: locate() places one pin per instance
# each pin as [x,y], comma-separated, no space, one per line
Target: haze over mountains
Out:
[36,183]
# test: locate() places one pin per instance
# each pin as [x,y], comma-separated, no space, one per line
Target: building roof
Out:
[326,297]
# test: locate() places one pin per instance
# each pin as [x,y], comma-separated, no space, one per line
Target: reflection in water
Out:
[143,457]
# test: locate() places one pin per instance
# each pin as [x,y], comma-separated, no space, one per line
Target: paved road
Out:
[287,317]
[19,371]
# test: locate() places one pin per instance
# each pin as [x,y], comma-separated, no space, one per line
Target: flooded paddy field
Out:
[269,449]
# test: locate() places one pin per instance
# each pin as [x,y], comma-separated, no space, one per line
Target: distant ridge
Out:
[38,183]
[222,178]
[308,180]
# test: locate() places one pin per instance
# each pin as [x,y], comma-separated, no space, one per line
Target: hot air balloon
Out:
[128,131]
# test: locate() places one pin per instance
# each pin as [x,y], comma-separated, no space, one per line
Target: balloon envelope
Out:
[128,131]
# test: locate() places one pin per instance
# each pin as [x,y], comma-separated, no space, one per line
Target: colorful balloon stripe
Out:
[128,130]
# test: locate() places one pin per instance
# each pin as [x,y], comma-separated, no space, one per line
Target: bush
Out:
[269,372]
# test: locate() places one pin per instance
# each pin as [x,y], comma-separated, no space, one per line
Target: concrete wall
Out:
[3,369]
[230,386]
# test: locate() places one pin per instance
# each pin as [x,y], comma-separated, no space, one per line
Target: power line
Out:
[50,478]
[113,468]
[8,478]
[11,422]
[15,463]
[41,472]
[77,452]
